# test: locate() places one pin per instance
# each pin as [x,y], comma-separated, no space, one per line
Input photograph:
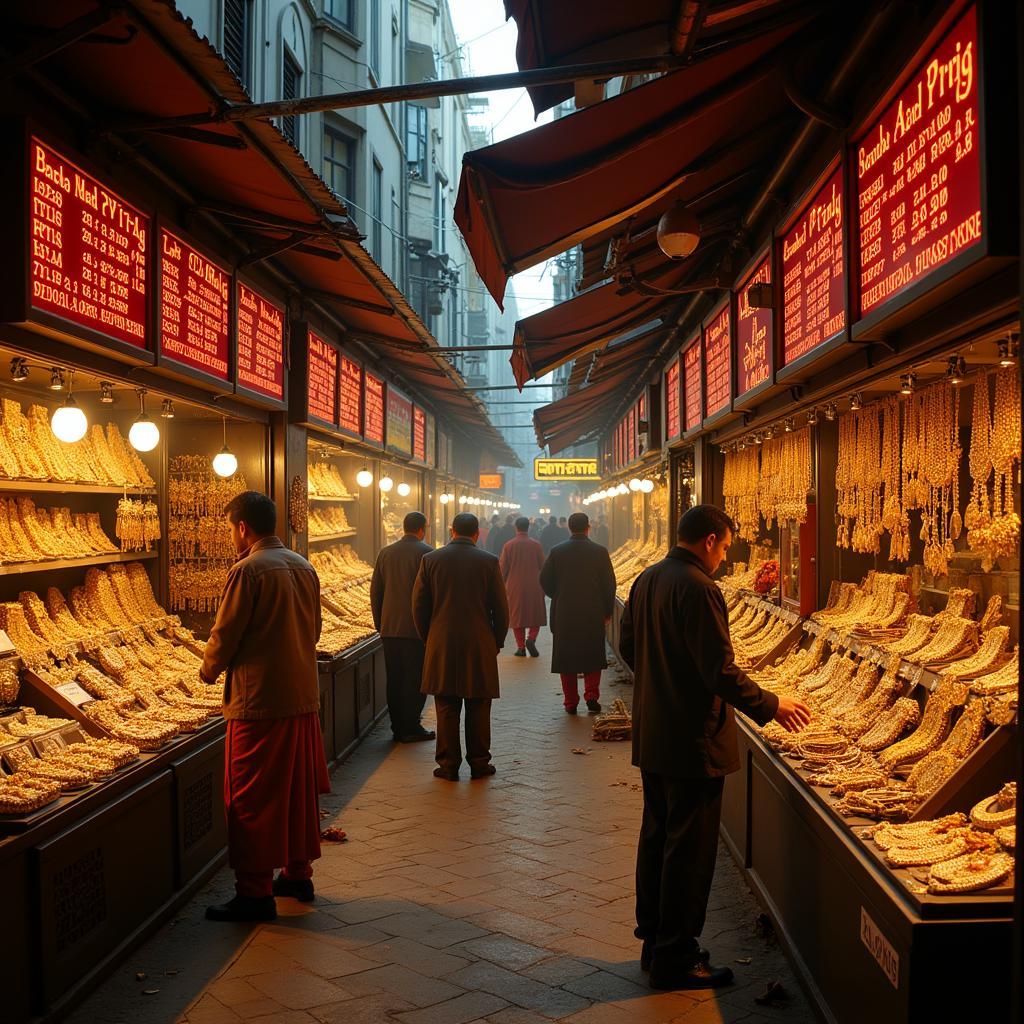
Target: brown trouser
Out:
[478,732]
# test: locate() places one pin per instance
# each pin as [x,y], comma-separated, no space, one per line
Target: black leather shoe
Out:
[520,652]
[417,737]
[532,648]
[700,975]
[483,773]
[593,707]
[443,773]
[647,956]
[244,908]
[571,711]
[300,889]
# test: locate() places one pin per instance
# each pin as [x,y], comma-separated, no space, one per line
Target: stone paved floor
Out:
[508,900]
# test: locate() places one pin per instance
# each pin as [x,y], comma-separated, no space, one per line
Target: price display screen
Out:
[419,434]
[260,363]
[88,249]
[399,411]
[919,172]
[691,384]
[322,378]
[373,405]
[194,300]
[814,273]
[717,354]
[753,334]
[350,396]
[672,426]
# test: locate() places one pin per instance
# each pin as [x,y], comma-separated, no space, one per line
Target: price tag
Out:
[74,693]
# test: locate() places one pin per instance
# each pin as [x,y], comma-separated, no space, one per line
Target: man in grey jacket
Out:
[391,602]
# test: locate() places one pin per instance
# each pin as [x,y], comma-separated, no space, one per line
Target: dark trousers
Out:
[403,660]
[675,863]
[478,732]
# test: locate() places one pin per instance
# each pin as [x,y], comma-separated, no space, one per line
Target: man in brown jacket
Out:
[265,637]
[461,613]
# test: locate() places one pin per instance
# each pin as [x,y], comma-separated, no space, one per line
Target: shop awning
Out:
[538,194]
[149,64]
[556,33]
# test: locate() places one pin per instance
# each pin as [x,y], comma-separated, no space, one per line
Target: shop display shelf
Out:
[57,487]
[331,536]
[331,498]
[25,568]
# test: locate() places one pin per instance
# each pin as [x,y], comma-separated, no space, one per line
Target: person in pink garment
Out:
[521,561]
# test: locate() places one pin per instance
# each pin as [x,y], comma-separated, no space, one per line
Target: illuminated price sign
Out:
[350,395]
[717,360]
[399,413]
[565,469]
[260,358]
[691,384]
[194,301]
[373,409]
[919,172]
[814,273]
[87,252]
[419,434]
[754,334]
[672,421]
[321,379]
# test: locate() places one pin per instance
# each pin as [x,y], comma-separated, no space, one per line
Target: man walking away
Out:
[265,638]
[485,530]
[521,562]
[500,536]
[394,574]
[461,611]
[675,637]
[600,532]
[579,579]
[550,535]
[564,533]
[536,527]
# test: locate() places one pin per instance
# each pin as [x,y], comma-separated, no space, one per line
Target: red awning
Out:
[245,175]
[556,33]
[536,195]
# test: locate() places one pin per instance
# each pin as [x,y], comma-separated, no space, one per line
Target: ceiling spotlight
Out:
[647,486]
[812,418]
[741,445]
[758,439]
[856,402]
[106,392]
[907,382]
[634,484]
[1008,350]
[144,435]
[19,369]
[224,462]
[56,379]
[678,232]
[69,423]
[831,411]
[789,425]
[956,370]
[364,477]
[385,483]
[404,490]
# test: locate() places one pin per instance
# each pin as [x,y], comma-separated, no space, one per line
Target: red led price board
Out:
[321,379]
[87,249]
[260,360]
[919,172]
[691,384]
[814,273]
[419,434]
[754,334]
[350,395]
[399,414]
[373,408]
[631,434]
[717,359]
[194,301]
[672,427]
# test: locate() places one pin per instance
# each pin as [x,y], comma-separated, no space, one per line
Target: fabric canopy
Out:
[247,175]
[536,195]
[556,33]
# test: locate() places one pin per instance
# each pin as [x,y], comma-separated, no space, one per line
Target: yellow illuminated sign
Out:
[565,469]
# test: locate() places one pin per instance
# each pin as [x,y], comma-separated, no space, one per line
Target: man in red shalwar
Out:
[265,637]
[521,561]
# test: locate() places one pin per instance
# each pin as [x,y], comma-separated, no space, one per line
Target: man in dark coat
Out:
[550,535]
[500,536]
[461,612]
[394,574]
[600,532]
[674,635]
[579,579]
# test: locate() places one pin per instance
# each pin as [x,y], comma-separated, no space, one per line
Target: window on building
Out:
[440,213]
[340,164]
[238,37]
[374,15]
[291,80]
[416,142]
[396,252]
[377,212]
[340,11]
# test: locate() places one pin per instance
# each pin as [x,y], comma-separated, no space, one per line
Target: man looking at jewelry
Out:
[675,637]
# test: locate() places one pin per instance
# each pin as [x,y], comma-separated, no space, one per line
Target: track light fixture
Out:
[789,425]
[856,402]
[956,370]
[167,409]
[812,418]
[907,382]
[106,392]
[56,379]
[831,412]
[19,369]
[1008,351]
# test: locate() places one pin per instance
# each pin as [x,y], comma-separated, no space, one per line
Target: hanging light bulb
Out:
[106,392]
[224,462]
[144,435]
[385,483]
[364,477]
[56,379]
[622,489]
[167,409]
[19,369]
[404,490]
[646,486]
[68,422]
[634,484]
[444,499]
